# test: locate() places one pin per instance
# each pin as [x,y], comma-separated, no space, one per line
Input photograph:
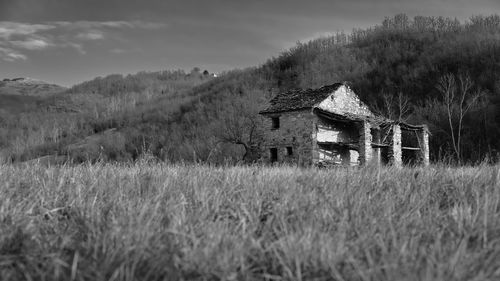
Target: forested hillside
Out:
[436,71]
[430,62]
[71,123]
[431,70]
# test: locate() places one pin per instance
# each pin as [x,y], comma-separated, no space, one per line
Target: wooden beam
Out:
[352,146]
[409,127]
[379,145]
[410,148]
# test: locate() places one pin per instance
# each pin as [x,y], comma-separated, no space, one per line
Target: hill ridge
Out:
[26,86]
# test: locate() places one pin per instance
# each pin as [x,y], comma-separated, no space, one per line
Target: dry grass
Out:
[165,222]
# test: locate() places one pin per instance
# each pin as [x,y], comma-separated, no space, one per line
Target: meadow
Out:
[155,221]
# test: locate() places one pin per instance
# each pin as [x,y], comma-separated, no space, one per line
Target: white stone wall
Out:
[343,101]
[354,157]
[395,152]
[328,131]
[423,137]
[365,143]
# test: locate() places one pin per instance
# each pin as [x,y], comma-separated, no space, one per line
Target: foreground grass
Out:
[156,222]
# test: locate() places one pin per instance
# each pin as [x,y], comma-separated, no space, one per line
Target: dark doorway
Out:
[274,154]
[384,155]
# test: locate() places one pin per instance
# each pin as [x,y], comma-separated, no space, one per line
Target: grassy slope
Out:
[153,221]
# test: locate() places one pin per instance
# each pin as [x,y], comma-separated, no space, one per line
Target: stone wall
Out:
[365,143]
[395,152]
[343,101]
[295,131]
[329,131]
[423,138]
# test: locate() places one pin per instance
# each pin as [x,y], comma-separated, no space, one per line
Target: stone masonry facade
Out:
[292,139]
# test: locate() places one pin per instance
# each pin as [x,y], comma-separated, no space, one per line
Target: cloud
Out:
[92,24]
[10,55]
[78,47]
[32,44]
[109,24]
[148,25]
[90,35]
[9,29]
[16,38]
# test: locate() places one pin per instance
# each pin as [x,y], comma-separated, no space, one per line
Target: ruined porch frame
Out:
[422,136]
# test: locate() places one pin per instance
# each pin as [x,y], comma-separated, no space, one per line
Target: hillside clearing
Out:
[158,221]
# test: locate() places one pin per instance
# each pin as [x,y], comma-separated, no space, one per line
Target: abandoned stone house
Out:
[332,126]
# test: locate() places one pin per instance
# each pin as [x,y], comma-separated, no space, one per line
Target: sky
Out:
[71,41]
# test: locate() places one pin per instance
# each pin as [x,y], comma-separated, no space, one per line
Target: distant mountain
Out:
[28,87]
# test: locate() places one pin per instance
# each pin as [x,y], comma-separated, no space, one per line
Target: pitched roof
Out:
[300,99]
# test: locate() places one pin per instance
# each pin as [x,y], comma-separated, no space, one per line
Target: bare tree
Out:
[459,97]
[240,124]
[395,108]
[239,130]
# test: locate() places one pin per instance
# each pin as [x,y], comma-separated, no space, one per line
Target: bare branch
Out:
[457,108]
[403,106]
[394,108]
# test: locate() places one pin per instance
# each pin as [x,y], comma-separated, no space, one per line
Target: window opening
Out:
[276,122]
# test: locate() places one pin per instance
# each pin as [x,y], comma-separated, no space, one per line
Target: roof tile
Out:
[299,99]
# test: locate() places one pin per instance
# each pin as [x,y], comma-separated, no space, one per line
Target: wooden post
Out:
[314,139]
[377,153]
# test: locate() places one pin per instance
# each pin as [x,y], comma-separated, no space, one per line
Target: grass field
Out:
[170,222]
